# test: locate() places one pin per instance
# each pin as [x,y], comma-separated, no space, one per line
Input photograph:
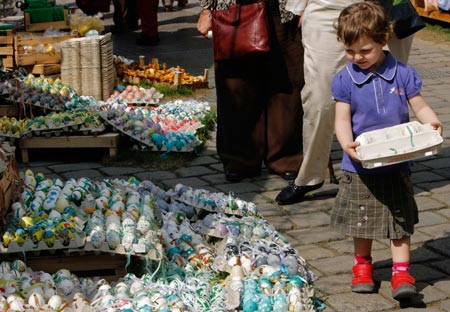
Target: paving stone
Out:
[334,284]
[312,219]
[270,210]
[74,167]
[443,285]
[308,206]
[423,273]
[423,254]
[445,306]
[436,187]
[258,199]
[121,171]
[419,238]
[315,235]
[436,163]
[440,246]
[426,176]
[313,252]
[193,171]
[280,223]
[193,182]
[443,266]
[203,160]
[86,173]
[428,218]
[217,167]
[237,188]
[272,184]
[428,203]
[334,265]
[436,231]
[37,169]
[445,212]
[156,175]
[442,171]
[215,178]
[346,302]
[443,197]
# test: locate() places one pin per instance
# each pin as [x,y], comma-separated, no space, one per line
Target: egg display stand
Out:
[107,140]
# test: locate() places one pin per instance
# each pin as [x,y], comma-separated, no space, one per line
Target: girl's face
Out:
[365,53]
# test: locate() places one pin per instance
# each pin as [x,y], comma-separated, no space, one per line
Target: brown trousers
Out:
[259,107]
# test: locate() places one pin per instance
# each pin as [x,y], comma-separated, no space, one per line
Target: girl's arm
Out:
[424,112]
[343,127]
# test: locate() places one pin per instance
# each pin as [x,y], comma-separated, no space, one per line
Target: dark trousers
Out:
[148,14]
[259,107]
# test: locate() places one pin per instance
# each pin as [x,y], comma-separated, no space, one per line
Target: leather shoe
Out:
[292,193]
[238,176]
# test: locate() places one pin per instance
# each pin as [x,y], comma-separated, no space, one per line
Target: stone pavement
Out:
[306,223]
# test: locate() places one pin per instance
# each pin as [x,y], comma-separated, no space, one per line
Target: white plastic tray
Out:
[397,144]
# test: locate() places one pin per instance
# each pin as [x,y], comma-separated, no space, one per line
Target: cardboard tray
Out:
[397,144]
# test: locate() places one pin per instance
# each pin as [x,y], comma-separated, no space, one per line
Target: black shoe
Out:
[239,176]
[287,175]
[292,193]
[147,41]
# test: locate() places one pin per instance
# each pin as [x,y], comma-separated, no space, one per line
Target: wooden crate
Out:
[7,48]
[107,266]
[433,12]
[65,24]
[10,110]
[107,140]
[26,53]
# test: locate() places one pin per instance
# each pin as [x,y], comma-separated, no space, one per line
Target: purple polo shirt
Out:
[377,100]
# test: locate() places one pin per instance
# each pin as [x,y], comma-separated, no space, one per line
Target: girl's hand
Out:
[437,126]
[350,149]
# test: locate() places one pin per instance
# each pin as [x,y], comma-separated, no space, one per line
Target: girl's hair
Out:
[363,19]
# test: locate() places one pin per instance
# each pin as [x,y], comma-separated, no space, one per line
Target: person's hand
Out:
[204,23]
[350,149]
[437,126]
[300,20]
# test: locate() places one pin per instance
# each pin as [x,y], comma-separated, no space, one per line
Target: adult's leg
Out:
[284,110]
[324,56]
[149,21]
[400,48]
[240,107]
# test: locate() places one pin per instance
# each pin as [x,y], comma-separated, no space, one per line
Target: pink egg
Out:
[130,97]
[129,88]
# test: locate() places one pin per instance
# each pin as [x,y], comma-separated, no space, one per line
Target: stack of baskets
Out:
[88,65]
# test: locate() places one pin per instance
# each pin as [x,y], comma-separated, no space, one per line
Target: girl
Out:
[374,91]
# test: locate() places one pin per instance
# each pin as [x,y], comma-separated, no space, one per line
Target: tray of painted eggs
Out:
[213,202]
[11,127]
[136,95]
[169,127]
[102,216]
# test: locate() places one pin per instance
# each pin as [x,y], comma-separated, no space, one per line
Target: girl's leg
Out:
[362,281]
[402,282]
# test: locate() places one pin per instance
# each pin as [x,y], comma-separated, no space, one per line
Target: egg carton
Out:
[77,241]
[136,250]
[397,144]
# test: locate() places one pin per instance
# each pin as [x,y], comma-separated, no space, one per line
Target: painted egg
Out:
[55,302]
[36,300]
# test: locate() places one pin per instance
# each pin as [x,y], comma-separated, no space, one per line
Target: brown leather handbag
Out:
[240,31]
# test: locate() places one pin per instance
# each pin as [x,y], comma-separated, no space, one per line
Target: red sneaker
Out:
[362,281]
[403,285]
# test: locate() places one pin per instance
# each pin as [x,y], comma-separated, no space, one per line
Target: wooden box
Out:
[30,49]
[7,48]
[8,184]
[65,24]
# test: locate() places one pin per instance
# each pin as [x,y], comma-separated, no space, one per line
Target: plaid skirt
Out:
[375,206]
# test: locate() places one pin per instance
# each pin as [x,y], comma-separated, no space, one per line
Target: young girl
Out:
[374,91]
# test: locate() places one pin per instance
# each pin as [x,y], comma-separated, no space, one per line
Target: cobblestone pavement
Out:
[306,223]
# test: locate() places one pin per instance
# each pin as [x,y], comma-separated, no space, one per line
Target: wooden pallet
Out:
[107,140]
[107,266]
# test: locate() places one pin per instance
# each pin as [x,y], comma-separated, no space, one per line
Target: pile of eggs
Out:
[134,94]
